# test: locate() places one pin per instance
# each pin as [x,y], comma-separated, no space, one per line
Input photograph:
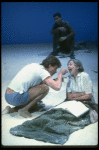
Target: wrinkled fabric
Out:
[54,126]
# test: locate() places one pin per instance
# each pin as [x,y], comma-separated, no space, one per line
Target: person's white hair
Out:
[78,64]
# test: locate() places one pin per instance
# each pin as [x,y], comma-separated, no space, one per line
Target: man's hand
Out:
[63,71]
[62,38]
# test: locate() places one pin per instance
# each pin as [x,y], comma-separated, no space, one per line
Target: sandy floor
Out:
[14,57]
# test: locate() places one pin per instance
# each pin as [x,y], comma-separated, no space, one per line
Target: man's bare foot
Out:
[24,113]
[7,110]
[93,116]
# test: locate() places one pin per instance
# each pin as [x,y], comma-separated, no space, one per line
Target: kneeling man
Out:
[30,85]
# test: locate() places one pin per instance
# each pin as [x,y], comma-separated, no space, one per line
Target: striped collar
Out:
[78,75]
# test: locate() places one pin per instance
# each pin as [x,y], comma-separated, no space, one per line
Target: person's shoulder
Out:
[32,66]
[35,64]
[84,74]
[66,22]
[42,69]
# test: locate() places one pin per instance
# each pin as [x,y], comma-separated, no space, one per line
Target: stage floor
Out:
[15,57]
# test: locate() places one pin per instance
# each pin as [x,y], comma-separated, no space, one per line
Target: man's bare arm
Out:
[56,84]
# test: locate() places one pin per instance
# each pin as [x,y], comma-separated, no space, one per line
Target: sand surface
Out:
[15,57]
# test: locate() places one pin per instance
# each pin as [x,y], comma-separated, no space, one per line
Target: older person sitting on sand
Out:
[79,87]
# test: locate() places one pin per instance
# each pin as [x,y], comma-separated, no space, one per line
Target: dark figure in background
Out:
[63,37]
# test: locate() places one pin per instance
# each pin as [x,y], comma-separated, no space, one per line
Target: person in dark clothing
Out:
[63,36]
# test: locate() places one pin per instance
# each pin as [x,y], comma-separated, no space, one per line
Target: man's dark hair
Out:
[51,60]
[57,14]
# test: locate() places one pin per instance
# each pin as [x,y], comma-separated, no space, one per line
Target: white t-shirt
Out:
[30,76]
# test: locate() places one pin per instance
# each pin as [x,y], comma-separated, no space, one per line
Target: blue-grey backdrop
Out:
[31,22]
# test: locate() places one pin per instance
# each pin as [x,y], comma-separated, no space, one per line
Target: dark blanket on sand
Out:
[55,126]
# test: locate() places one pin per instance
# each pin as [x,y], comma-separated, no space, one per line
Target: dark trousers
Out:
[66,46]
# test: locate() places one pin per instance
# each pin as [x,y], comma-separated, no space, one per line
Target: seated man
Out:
[63,37]
[30,85]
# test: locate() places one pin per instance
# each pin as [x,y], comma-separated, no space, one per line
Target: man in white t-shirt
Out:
[30,85]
